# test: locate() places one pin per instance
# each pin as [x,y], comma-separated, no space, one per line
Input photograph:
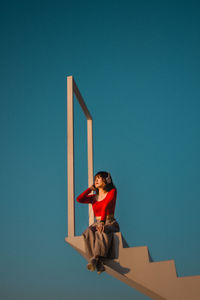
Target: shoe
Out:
[91,266]
[100,267]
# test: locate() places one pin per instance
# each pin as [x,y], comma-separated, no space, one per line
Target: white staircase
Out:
[133,266]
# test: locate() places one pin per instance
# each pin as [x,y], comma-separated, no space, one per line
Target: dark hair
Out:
[107,179]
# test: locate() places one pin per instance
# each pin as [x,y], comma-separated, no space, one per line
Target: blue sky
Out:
[137,65]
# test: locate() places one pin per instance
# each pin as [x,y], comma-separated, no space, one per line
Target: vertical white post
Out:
[90,165]
[70,157]
[71,89]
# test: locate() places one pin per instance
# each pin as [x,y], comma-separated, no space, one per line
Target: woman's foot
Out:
[100,267]
[92,265]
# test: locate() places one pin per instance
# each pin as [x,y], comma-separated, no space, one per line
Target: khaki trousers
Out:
[98,244]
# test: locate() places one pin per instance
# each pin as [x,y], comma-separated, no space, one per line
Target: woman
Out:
[98,236]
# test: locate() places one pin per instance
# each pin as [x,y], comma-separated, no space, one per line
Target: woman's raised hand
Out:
[92,187]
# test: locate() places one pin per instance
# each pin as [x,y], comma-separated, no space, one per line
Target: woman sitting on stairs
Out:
[98,236]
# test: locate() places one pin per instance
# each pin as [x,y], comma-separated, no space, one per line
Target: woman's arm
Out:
[85,198]
[109,203]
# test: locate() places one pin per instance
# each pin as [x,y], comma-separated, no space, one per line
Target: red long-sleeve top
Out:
[101,208]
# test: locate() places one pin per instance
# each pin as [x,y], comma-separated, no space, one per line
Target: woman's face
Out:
[99,183]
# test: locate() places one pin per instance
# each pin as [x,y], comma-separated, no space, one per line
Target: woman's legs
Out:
[89,238]
[97,244]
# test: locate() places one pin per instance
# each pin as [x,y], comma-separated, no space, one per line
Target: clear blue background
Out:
[137,65]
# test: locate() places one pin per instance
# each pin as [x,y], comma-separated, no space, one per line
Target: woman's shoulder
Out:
[113,191]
